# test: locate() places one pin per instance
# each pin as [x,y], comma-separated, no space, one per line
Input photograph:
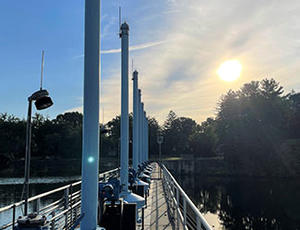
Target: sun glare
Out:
[230,70]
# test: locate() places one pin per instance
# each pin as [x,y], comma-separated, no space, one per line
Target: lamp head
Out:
[43,103]
[42,99]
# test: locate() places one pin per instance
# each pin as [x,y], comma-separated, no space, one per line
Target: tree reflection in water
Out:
[247,203]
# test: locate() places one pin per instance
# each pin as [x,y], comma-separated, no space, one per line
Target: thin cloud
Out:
[131,48]
[182,76]
[172,11]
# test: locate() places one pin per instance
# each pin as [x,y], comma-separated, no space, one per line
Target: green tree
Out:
[154,129]
[251,123]
[204,138]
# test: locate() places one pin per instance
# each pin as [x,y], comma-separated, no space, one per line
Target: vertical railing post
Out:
[172,196]
[71,204]
[184,212]
[177,207]
[14,217]
[75,211]
[37,205]
[66,206]
[160,171]
[52,225]
[199,226]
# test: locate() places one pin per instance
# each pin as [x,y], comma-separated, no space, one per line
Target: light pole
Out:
[146,136]
[135,135]
[147,139]
[42,101]
[128,196]
[142,134]
[159,140]
[140,128]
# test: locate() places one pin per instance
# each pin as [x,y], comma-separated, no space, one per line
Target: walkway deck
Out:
[156,213]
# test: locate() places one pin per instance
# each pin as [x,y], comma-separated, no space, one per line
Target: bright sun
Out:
[230,70]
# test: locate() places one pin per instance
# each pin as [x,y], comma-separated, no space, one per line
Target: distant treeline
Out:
[256,129]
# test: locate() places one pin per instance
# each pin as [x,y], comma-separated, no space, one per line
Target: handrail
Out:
[61,206]
[65,212]
[186,199]
[51,192]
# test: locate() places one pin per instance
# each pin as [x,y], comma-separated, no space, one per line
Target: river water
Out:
[243,203]
[11,192]
[227,203]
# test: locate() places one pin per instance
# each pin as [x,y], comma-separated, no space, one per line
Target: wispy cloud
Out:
[171,11]
[131,48]
[180,74]
[134,48]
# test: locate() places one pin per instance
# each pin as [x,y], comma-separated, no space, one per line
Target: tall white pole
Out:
[90,144]
[143,134]
[147,139]
[125,194]
[124,108]
[135,121]
[140,128]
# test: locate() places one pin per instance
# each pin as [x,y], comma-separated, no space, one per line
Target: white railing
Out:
[62,213]
[186,214]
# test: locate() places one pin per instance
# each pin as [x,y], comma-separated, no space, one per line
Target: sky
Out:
[176,46]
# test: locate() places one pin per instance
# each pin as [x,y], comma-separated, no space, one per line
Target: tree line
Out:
[256,129]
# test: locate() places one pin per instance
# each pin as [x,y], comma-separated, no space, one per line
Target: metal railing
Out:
[62,213]
[186,215]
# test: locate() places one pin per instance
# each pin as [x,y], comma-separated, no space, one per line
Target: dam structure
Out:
[143,195]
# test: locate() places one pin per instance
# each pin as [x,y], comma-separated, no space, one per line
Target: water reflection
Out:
[231,204]
[235,204]
[38,180]
[11,192]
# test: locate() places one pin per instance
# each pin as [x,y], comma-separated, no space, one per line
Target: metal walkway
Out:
[156,214]
[168,206]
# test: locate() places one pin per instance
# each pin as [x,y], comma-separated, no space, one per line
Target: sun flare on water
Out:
[230,70]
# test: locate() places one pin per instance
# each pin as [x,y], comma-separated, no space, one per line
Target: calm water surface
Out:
[231,204]
[11,191]
[236,204]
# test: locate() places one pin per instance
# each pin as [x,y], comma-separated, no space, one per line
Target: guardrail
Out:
[62,213]
[180,205]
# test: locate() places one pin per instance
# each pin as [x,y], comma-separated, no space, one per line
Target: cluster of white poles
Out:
[140,138]
[90,148]
[140,121]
